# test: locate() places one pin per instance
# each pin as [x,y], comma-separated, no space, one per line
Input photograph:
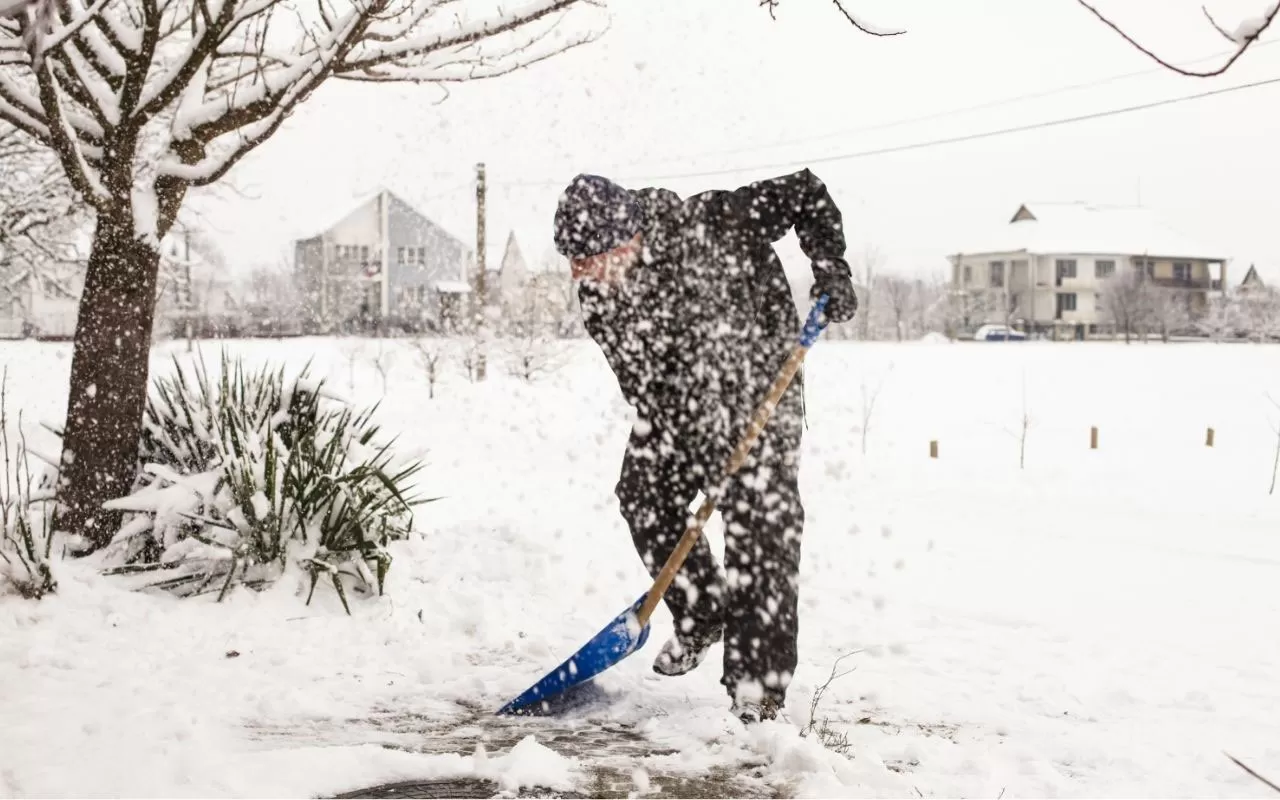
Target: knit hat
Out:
[595,215]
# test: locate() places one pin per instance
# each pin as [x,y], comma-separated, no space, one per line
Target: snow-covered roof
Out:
[1085,228]
[337,209]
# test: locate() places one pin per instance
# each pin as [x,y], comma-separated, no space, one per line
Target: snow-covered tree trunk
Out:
[143,101]
[108,376]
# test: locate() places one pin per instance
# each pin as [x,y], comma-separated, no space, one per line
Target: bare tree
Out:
[1243,37]
[143,101]
[1222,317]
[1024,425]
[1169,311]
[899,294]
[1127,297]
[271,301]
[533,353]
[383,359]
[1275,464]
[430,353]
[1259,314]
[39,213]
[864,270]
[869,396]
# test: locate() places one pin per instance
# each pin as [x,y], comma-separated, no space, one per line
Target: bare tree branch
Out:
[65,144]
[855,21]
[1244,37]
[864,26]
[1273,786]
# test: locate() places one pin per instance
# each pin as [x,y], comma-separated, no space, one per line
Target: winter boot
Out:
[751,712]
[682,653]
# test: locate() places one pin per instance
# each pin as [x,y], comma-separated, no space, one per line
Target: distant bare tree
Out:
[899,295]
[384,358]
[1259,314]
[1011,303]
[869,396]
[1126,296]
[533,353]
[864,269]
[1169,311]
[430,353]
[1222,318]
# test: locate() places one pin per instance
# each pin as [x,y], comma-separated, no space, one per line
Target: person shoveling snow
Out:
[689,303]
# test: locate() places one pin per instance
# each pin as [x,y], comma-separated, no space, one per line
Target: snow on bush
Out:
[26,508]
[244,480]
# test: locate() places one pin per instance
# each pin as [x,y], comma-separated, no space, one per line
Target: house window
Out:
[400,255]
[1104,269]
[968,274]
[1066,302]
[1182,272]
[364,253]
[997,274]
[1066,268]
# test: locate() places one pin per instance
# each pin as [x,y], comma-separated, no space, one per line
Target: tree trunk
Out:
[109,372]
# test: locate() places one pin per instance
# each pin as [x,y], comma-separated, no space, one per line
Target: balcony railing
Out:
[1204,284]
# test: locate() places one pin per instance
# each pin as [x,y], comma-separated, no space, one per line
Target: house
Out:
[382,264]
[1251,285]
[42,303]
[1049,269]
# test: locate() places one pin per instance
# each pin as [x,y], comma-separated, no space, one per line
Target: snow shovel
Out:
[629,631]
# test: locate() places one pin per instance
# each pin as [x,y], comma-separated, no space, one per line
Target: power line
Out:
[879,126]
[930,143]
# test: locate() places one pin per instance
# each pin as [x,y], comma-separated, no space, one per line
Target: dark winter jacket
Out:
[698,331]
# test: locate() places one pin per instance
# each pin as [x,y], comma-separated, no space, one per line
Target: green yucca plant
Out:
[290,476]
[26,508]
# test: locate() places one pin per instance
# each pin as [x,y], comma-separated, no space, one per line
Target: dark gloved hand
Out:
[831,277]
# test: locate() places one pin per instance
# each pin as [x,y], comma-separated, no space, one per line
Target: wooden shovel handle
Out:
[757,424]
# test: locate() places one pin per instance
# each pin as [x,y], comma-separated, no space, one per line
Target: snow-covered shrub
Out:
[248,478]
[26,509]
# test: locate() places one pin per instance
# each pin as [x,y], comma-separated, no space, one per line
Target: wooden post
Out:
[933,449]
[1093,438]
[1208,437]
[481,299]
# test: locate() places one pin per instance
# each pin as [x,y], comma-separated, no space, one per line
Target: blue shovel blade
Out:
[619,639]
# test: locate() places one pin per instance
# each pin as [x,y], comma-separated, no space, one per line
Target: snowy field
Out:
[1098,623]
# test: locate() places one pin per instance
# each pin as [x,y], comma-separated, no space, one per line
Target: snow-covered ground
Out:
[1096,623]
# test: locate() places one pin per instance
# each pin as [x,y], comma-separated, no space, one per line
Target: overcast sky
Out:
[681,86]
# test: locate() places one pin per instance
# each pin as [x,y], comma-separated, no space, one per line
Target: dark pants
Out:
[755,597]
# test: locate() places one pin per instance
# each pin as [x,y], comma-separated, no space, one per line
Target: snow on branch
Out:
[855,20]
[143,99]
[1243,37]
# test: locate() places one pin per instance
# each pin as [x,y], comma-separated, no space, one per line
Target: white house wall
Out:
[444,258]
[1042,272]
